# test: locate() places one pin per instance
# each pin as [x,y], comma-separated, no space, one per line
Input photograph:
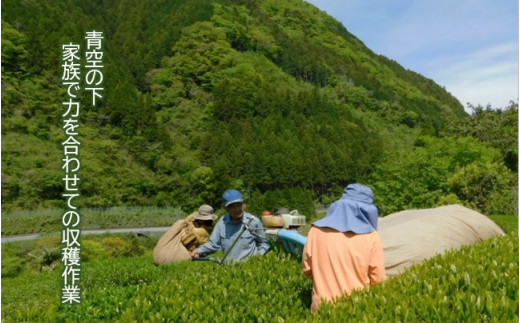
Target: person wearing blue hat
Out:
[343,251]
[238,234]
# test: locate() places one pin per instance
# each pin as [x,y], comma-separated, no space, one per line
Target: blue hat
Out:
[232,196]
[354,211]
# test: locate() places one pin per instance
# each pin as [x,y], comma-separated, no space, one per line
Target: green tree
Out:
[436,168]
[14,54]
[497,127]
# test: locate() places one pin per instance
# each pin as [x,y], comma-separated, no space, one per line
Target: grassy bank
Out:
[46,221]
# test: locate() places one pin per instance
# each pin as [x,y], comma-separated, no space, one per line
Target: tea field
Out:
[120,283]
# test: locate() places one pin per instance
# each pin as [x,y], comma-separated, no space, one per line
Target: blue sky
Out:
[468,46]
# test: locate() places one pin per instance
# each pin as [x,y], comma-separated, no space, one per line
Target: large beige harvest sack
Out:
[169,248]
[415,235]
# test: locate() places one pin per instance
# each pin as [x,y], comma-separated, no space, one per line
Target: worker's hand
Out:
[194,254]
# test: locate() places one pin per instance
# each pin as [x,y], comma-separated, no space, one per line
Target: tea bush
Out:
[264,288]
[109,286]
[31,297]
[91,249]
[11,265]
[508,223]
[476,283]
[45,254]
[119,247]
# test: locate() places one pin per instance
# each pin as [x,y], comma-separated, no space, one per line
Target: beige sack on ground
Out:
[169,248]
[415,235]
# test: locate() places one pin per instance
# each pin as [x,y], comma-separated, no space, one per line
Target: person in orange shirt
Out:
[343,251]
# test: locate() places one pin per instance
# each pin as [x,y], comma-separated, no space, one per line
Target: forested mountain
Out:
[275,98]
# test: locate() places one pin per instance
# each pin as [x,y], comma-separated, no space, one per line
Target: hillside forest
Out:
[274,98]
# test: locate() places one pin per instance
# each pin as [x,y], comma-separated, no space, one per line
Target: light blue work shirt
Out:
[253,241]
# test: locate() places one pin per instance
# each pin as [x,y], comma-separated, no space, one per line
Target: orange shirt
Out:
[339,262]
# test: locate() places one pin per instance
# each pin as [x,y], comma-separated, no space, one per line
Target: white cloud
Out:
[487,76]
[468,46]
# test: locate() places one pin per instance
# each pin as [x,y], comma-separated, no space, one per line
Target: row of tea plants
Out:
[475,283]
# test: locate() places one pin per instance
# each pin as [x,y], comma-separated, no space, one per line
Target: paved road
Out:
[144,231]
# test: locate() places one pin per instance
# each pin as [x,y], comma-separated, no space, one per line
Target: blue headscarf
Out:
[354,211]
